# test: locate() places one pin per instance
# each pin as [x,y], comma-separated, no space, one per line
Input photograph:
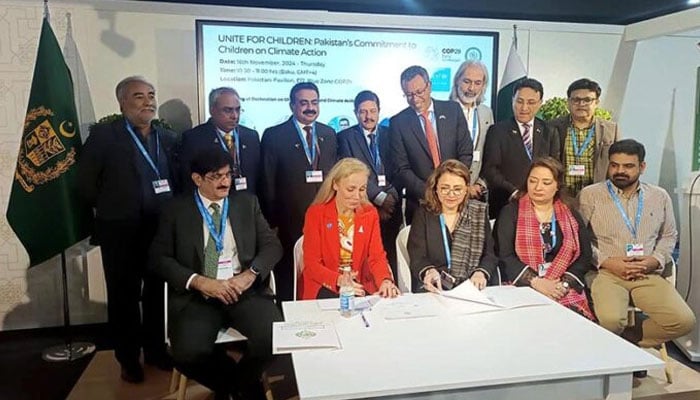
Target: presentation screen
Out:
[263,61]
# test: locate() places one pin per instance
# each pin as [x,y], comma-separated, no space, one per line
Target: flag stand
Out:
[70,350]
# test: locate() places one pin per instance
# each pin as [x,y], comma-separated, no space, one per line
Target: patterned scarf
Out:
[530,249]
[468,239]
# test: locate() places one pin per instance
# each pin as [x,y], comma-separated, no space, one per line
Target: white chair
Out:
[298,263]
[403,261]
[631,315]
[178,380]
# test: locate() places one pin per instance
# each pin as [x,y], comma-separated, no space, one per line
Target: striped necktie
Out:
[527,139]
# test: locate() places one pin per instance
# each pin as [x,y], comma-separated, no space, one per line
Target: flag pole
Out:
[70,350]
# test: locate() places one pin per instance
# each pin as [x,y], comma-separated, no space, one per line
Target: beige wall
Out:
[117,38]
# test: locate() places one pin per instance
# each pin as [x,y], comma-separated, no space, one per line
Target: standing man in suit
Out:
[584,138]
[216,269]
[423,135]
[468,88]
[368,142]
[511,146]
[223,131]
[126,173]
[297,154]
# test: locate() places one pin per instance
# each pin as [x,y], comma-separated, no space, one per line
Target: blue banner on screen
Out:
[263,61]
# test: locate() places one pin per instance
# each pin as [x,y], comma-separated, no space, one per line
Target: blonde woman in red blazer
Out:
[341,225]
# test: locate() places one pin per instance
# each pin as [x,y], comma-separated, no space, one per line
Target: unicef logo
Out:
[431,53]
[472,53]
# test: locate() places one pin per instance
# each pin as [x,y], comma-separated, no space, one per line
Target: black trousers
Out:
[193,330]
[131,288]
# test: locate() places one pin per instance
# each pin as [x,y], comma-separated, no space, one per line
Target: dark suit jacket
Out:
[284,192]
[178,248]
[352,143]
[204,136]
[506,162]
[410,155]
[425,247]
[108,178]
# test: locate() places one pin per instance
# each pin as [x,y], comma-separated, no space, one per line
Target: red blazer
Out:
[322,250]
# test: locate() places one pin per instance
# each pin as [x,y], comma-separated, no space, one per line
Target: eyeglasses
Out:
[231,110]
[417,93]
[217,177]
[584,101]
[446,191]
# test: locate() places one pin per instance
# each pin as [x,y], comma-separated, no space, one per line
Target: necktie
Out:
[211,256]
[231,145]
[310,143]
[527,139]
[373,148]
[432,139]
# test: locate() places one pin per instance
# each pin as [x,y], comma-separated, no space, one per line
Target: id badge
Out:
[476,156]
[225,268]
[161,186]
[577,170]
[240,183]
[381,180]
[542,269]
[634,249]
[314,176]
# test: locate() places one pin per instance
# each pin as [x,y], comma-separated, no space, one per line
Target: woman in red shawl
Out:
[542,242]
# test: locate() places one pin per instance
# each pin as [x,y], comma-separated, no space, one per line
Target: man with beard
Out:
[368,142]
[584,138]
[423,135]
[634,233]
[296,155]
[125,173]
[468,88]
[222,131]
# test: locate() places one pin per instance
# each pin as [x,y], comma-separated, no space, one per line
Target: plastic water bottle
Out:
[347,291]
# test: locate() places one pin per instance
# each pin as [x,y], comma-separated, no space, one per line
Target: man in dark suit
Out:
[126,173]
[223,131]
[512,145]
[368,142]
[296,154]
[423,135]
[216,269]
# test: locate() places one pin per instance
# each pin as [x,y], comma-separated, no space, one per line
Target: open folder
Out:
[503,297]
[303,335]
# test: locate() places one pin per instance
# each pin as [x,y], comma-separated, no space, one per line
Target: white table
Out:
[545,352]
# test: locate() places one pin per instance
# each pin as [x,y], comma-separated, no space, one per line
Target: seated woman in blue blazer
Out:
[450,233]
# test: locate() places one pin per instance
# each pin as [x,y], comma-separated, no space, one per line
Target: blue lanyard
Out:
[218,237]
[625,218]
[552,233]
[235,142]
[310,153]
[475,126]
[578,151]
[142,149]
[448,254]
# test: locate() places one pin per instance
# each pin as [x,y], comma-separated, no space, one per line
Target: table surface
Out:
[451,351]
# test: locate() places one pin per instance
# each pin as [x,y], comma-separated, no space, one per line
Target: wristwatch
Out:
[254,270]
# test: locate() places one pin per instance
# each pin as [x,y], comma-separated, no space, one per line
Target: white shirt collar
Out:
[431,108]
[207,203]
[301,126]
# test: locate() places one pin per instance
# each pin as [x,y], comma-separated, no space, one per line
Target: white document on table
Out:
[468,292]
[408,306]
[303,335]
[510,297]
